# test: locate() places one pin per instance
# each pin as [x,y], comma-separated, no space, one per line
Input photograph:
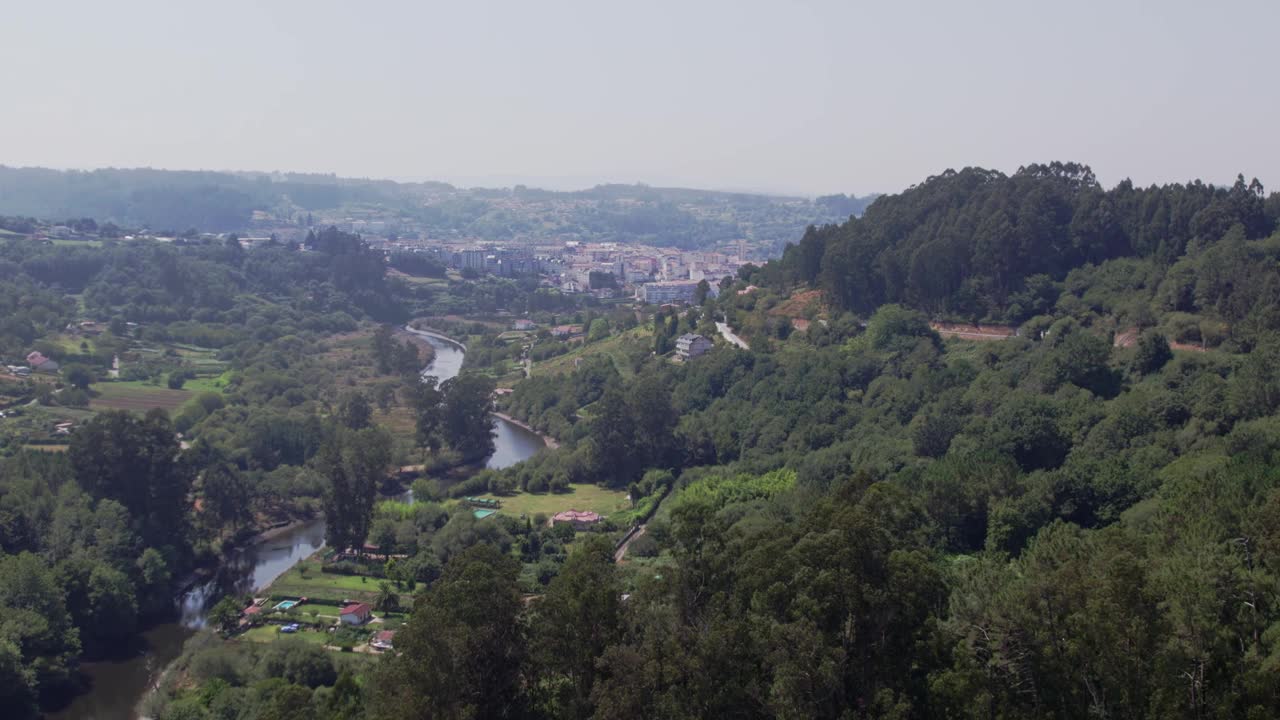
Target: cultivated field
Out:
[136,396]
[614,347]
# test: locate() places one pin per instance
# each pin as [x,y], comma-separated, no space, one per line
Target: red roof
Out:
[576,515]
[384,636]
[357,609]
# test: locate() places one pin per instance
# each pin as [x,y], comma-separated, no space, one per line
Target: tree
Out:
[17,683]
[460,653]
[225,615]
[1152,353]
[1026,427]
[78,376]
[466,423]
[135,461]
[573,624]
[35,620]
[599,330]
[298,662]
[354,411]
[612,438]
[353,463]
[701,292]
[178,378]
[384,349]
[226,496]
[387,599]
[428,401]
[155,580]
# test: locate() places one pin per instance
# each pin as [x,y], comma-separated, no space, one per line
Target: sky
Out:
[786,96]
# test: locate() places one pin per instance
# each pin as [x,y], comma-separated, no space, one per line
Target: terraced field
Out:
[136,397]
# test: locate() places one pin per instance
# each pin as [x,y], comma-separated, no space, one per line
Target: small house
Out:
[691,345]
[523,324]
[383,640]
[580,519]
[40,363]
[565,331]
[356,614]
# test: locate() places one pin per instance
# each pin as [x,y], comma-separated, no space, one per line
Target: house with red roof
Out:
[383,640]
[580,519]
[356,614]
[40,363]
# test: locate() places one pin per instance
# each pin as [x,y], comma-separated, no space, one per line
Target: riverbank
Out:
[547,440]
[426,351]
[419,329]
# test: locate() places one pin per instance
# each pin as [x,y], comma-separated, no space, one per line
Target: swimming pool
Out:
[286,604]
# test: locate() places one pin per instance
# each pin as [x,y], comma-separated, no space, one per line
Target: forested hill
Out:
[981,245]
[267,202]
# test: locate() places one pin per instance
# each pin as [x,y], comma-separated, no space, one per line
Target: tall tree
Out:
[353,463]
[572,626]
[135,461]
[465,421]
[460,653]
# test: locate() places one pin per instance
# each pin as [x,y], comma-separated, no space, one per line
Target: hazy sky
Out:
[812,97]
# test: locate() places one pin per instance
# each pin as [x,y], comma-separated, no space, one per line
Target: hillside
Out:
[977,245]
[262,203]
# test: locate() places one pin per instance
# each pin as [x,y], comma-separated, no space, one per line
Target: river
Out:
[118,686]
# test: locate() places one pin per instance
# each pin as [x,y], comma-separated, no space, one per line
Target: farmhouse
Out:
[580,519]
[383,640]
[356,614]
[40,363]
[691,345]
[564,331]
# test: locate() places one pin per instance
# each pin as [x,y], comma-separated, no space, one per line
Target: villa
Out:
[356,614]
[580,519]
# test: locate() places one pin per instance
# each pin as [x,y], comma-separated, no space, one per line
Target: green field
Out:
[77,243]
[135,395]
[580,497]
[614,347]
[206,384]
[325,585]
[271,633]
[70,344]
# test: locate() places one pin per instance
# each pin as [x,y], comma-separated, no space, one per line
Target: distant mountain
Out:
[232,201]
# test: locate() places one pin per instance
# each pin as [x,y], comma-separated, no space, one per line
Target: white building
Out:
[691,345]
[667,291]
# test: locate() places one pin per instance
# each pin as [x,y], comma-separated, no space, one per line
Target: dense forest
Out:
[979,245]
[1078,520]
[865,515]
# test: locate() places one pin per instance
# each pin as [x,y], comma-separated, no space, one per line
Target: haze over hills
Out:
[266,202]
[1004,445]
